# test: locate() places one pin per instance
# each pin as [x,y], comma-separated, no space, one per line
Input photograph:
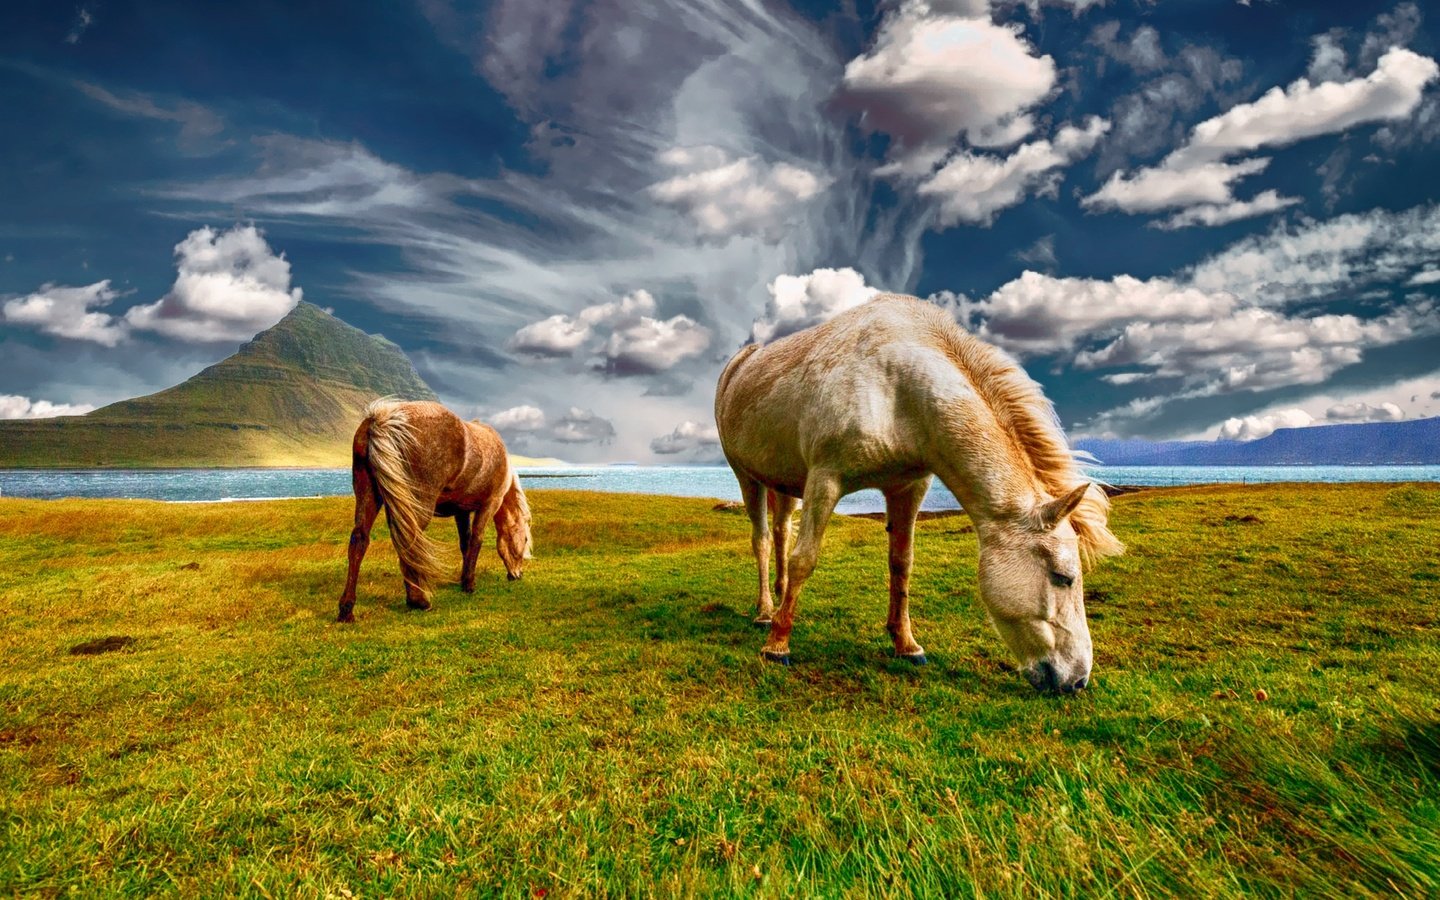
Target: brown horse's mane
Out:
[1035,437]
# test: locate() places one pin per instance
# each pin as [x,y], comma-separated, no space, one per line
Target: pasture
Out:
[1264,715]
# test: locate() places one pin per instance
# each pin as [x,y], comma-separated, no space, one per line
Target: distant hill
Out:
[292,396]
[1416,442]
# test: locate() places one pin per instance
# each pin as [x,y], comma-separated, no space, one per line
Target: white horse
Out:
[883,396]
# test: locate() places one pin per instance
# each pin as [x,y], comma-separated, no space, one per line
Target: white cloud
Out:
[1038,314]
[1329,61]
[1428,276]
[69,312]
[198,124]
[1040,253]
[1155,189]
[936,73]
[687,437]
[229,285]
[647,346]
[84,18]
[1364,412]
[637,343]
[628,308]
[1197,174]
[1076,6]
[13,406]
[518,418]
[1250,428]
[1416,397]
[582,426]
[974,188]
[725,197]
[557,335]
[1261,204]
[800,301]
[1257,349]
[1316,260]
[318,178]
[1217,328]
[1304,110]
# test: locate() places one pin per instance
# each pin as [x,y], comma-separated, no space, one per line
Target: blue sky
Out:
[1185,218]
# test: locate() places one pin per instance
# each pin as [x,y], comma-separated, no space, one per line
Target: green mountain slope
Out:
[292,396]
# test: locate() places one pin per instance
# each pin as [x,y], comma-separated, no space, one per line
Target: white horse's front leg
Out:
[753,493]
[901,508]
[822,492]
[781,510]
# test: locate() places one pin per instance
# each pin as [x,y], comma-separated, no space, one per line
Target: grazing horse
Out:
[884,396]
[419,460]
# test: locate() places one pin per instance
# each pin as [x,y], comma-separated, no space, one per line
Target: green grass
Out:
[605,727]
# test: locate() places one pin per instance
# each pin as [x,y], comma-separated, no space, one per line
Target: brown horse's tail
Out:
[391,443]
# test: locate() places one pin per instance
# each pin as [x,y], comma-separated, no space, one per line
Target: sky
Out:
[1186,218]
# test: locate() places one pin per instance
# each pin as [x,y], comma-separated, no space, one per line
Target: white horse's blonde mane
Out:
[1035,439]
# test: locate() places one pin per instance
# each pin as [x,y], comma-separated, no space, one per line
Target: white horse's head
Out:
[1032,587]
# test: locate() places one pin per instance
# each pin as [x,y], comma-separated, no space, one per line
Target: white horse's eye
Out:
[1061,580]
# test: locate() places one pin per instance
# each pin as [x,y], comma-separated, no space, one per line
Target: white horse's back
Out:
[836,396]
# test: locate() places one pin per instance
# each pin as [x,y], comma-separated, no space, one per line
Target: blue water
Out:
[685,481]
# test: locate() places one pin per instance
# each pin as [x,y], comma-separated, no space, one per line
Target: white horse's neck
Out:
[982,465]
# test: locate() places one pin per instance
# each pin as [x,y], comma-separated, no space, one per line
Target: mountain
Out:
[1416,442]
[292,396]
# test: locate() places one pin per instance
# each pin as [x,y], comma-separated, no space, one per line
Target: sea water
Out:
[210,485]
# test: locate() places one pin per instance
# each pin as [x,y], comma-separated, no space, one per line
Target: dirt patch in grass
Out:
[102,645]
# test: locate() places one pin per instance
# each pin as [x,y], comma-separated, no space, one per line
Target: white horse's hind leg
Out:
[822,492]
[753,493]
[901,508]
[781,510]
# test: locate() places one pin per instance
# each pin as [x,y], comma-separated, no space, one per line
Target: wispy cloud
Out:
[84,18]
[738,95]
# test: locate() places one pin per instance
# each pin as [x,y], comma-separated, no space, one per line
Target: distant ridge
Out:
[1416,442]
[291,396]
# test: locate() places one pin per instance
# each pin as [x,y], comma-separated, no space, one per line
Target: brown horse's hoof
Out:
[915,659]
[347,614]
[780,658]
[417,604]
[761,621]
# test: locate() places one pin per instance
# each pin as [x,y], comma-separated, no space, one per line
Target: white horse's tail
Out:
[392,440]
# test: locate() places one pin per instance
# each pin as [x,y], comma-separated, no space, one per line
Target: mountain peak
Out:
[292,395]
[317,343]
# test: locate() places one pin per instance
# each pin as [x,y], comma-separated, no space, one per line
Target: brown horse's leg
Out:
[901,508]
[754,494]
[367,506]
[782,507]
[467,572]
[477,539]
[822,492]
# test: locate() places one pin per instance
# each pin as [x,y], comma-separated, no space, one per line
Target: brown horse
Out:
[419,460]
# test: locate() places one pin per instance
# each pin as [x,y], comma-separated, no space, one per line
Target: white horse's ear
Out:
[1054,512]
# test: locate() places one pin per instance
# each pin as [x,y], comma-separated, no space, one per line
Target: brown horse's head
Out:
[512,525]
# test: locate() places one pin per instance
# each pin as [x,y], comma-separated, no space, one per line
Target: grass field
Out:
[605,726]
